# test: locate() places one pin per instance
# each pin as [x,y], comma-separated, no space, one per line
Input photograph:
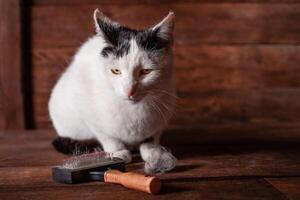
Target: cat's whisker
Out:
[153,95]
[169,95]
[153,103]
[156,110]
[161,113]
[168,109]
[177,105]
[166,92]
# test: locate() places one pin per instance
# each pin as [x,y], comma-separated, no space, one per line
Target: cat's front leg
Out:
[116,148]
[157,158]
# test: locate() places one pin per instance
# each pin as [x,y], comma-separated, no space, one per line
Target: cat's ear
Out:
[165,28]
[104,26]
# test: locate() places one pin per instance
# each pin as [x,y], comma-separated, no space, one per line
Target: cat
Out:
[120,90]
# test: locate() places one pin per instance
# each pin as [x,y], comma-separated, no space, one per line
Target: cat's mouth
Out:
[135,98]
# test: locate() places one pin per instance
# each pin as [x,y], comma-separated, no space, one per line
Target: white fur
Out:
[89,101]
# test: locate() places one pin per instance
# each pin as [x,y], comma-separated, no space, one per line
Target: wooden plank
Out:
[290,187]
[11,102]
[224,23]
[237,67]
[19,136]
[120,2]
[43,154]
[177,189]
[239,106]
[31,148]
[210,161]
[233,133]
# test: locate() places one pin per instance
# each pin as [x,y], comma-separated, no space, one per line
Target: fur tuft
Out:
[69,146]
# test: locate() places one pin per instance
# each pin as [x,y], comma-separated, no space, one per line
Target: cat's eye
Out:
[145,71]
[116,71]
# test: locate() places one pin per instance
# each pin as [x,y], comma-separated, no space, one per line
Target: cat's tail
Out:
[70,146]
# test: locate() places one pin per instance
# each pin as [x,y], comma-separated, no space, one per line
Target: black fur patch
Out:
[119,37]
[118,51]
[69,146]
[149,40]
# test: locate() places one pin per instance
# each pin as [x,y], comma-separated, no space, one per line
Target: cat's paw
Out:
[159,161]
[123,154]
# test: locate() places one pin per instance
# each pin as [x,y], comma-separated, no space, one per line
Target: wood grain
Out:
[232,133]
[195,24]
[11,102]
[290,187]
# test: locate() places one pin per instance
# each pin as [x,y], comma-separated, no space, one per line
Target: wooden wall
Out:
[237,61]
[11,98]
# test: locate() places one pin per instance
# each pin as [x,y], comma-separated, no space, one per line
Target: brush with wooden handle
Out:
[99,166]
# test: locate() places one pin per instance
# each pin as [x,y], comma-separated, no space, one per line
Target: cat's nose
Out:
[131,91]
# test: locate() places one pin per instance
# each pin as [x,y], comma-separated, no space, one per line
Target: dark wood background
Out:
[237,61]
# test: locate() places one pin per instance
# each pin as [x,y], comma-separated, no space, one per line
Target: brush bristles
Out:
[86,160]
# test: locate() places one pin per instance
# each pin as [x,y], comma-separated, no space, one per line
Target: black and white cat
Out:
[120,90]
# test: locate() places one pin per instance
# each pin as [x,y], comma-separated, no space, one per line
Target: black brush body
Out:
[86,174]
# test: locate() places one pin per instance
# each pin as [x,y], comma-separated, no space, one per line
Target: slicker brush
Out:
[100,166]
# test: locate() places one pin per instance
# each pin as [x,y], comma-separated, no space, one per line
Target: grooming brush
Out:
[100,166]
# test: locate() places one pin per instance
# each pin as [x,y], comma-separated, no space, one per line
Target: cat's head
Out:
[135,62]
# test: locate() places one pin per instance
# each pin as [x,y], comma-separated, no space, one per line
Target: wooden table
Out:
[245,171]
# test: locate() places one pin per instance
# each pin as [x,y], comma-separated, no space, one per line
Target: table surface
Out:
[224,171]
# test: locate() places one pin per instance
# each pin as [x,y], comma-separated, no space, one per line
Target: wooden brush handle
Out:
[134,181]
